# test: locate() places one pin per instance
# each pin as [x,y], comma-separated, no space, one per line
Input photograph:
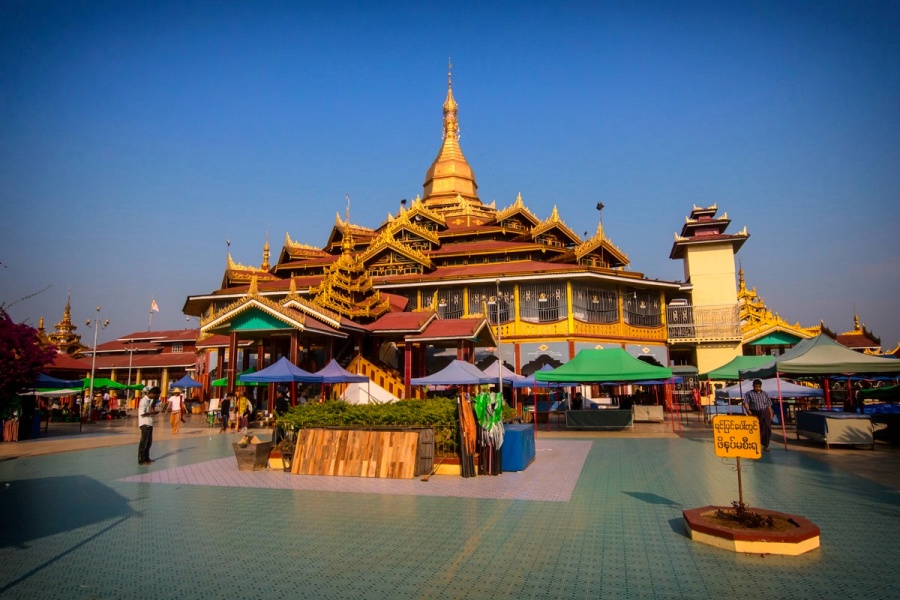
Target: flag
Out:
[154,307]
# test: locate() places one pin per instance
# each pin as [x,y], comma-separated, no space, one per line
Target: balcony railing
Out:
[717,322]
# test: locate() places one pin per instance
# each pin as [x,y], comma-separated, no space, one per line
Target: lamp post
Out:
[97,324]
[499,354]
[130,359]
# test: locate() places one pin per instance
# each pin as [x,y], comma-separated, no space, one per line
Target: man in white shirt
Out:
[145,422]
[176,410]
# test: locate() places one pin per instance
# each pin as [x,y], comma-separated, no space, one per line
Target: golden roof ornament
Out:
[266,252]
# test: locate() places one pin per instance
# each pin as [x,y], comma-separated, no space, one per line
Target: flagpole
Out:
[153,308]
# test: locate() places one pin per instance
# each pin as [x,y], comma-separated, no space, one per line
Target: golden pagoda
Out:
[63,336]
[448,277]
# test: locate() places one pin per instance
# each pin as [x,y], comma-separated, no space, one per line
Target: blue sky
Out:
[136,137]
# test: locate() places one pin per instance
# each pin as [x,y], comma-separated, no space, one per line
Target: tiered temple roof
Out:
[759,323]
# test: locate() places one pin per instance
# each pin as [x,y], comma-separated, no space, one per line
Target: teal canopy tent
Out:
[822,355]
[224,381]
[612,364]
[729,371]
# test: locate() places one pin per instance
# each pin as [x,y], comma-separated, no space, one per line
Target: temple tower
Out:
[712,319]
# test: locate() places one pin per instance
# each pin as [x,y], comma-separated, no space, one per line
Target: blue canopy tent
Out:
[457,372]
[45,382]
[335,373]
[281,371]
[186,382]
[496,370]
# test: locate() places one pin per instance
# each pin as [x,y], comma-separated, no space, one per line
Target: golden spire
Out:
[451,109]
[253,286]
[265,263]
[347,242]
[856,326]
[450,174]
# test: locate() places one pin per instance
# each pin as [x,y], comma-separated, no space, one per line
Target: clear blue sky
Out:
[136,137]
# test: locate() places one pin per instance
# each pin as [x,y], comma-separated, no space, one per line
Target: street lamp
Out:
[130,358]
[499,354]
[97,324]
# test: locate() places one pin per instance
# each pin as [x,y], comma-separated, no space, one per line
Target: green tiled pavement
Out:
[74,527]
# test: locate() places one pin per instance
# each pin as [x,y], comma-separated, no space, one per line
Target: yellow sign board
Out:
[736,436]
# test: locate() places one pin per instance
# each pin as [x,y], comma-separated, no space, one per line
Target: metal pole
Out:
[90,398]
[499,354]
[740,484]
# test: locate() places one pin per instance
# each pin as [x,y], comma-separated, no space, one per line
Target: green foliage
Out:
[433,412]
[22,358]
[746,517]
[438,413]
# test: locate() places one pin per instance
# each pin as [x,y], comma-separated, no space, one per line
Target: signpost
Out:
[737,436]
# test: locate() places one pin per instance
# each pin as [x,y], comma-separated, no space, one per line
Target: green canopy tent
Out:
[238,383]
[820,355]
[885,394]
[103,382]
[729,371]
[777,338]
[603,366]
[598,366]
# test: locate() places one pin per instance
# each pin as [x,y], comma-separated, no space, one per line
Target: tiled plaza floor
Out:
[593,517]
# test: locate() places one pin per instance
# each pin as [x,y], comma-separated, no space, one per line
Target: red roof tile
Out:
[451,329]
[401,322]
[173,335]
[152,361]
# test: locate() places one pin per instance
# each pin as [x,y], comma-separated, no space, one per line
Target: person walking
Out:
[225,409]
[758,404]
[176,410]
[145,422]
[243,414]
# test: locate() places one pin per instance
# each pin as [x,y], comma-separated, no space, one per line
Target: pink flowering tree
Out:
[22,358]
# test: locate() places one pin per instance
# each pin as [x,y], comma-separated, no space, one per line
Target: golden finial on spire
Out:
[265,263]
[347,242]
[451,124]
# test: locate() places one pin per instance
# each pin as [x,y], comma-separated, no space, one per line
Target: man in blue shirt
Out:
[758,404]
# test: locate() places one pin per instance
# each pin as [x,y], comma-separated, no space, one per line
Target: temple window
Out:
[485,296]
[642,308]
[542,302]
[449,302]
[411,296]
[595,304]
[178,347]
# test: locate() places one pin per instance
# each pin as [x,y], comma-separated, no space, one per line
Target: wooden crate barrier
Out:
[356,453]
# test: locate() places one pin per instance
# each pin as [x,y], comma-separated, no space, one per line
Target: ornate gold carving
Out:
[554,222]
[757,319]
[517,207]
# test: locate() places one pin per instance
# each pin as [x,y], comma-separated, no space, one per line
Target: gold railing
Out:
[715,322]
[387,378]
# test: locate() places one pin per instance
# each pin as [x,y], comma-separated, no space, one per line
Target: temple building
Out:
[450,276]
